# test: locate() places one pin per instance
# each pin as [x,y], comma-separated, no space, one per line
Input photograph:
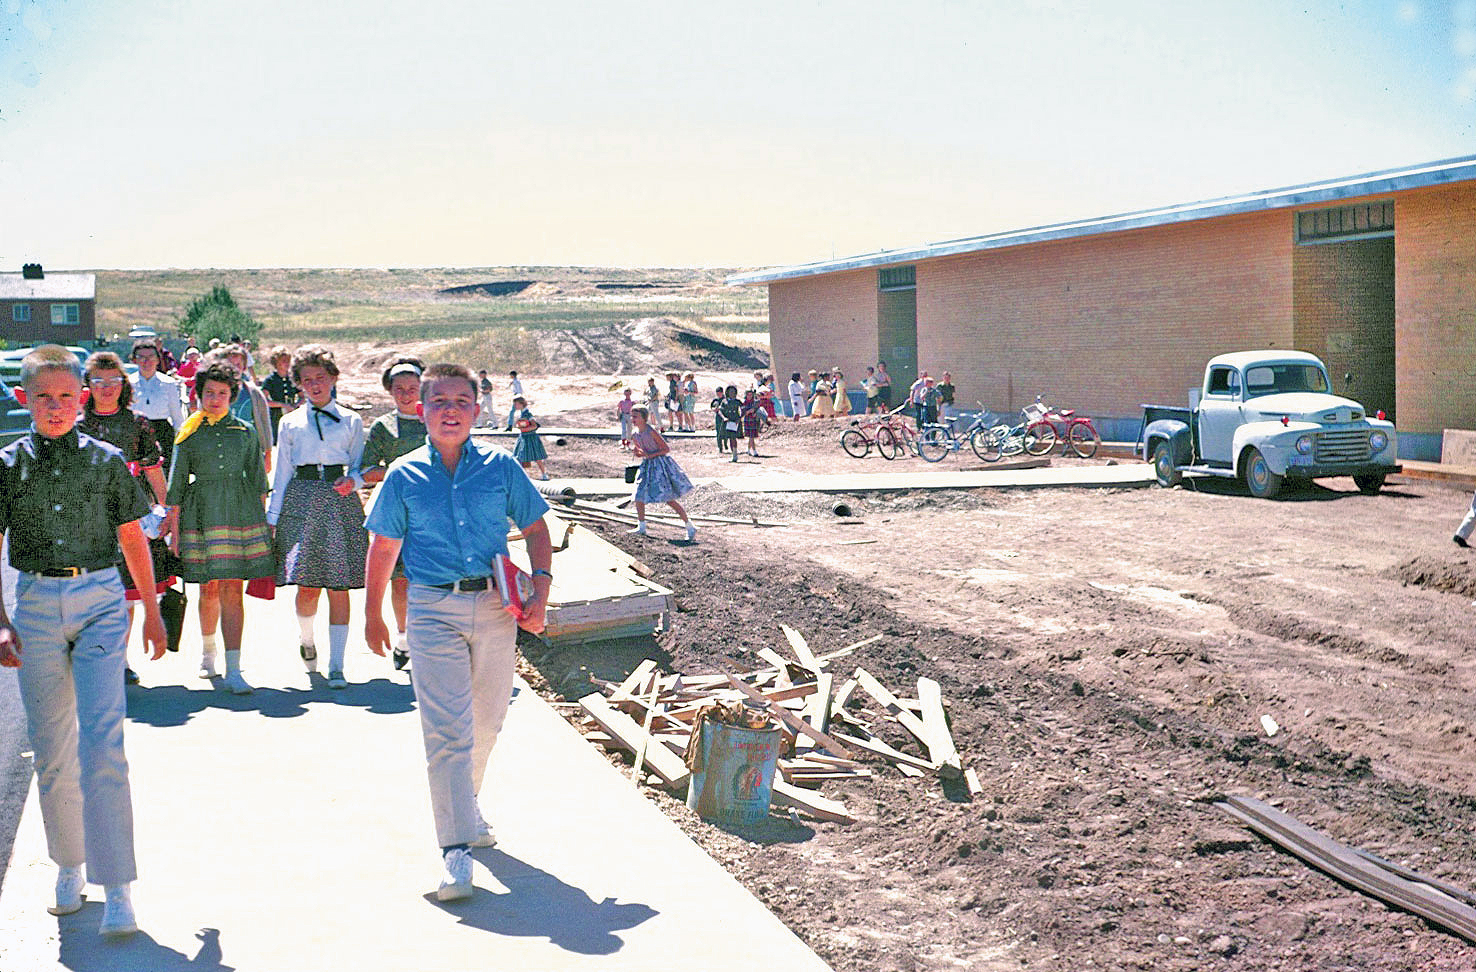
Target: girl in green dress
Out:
[391,436]
[216,485]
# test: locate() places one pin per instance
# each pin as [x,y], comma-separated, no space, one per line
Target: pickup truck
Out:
[1264,417]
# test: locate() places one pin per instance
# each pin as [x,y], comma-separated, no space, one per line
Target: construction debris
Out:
[826,732]
[1426,897]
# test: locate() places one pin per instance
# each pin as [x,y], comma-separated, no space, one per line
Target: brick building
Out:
[1374,273]
[37,307]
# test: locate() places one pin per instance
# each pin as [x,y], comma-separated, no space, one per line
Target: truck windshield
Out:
[1277,378]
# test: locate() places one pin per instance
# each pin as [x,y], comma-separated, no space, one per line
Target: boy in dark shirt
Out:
[70,505]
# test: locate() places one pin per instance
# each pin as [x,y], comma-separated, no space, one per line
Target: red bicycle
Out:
[1076,432]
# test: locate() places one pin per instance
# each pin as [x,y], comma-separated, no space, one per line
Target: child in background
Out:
[391,436]
[281,394]
[320,541]
[216,487]
[529,451]
[660,479]
[797,395]
[751,415]
[622,411]
[729,420]
[687,404]
[108,417]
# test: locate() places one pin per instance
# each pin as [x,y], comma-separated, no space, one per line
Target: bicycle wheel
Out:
[1040,438]
[1011,441]
[886,443]
[1082,439]
[985,443]
[933,444]
[855,443]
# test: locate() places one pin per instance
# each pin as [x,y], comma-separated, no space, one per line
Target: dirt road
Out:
[1108,655]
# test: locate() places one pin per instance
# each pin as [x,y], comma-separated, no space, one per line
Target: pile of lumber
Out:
[830,723]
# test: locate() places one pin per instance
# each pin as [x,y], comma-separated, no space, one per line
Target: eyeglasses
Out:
[105,382]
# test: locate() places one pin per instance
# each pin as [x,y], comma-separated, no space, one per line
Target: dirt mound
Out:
[492,288]
[646,344]
[1437,574]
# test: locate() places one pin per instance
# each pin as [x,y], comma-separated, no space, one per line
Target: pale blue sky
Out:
[197,133]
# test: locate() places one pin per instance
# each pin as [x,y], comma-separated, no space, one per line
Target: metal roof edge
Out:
[1366,184]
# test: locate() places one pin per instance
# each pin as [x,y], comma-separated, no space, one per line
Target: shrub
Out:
[216,315]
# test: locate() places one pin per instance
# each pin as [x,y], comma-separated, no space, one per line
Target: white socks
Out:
[208,645]
[305,624]
[337,646]
[233,662]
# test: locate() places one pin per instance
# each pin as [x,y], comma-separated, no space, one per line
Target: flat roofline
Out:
[1367,184]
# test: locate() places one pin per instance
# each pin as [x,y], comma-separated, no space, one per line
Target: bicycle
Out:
[862,435]
[931,443]
[1079,434]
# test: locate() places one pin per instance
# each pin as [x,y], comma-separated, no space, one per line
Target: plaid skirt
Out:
[661,480]
[320,538]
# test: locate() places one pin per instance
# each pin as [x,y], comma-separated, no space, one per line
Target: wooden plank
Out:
[626,690]
[838,704]
[880,748]
[637,773]
[1348,866]
[941,747]
[849,648]
[817,713]
[825,741]
[878,691]
[801,648]
[664,762]
[906,770]
[811,803]
[971,776]
[777,661]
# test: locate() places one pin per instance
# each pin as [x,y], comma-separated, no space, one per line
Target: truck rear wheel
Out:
[1370,484]
[1259,479]
[1163,466]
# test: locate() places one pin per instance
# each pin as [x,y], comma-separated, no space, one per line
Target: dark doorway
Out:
[1343,312]
[896,327]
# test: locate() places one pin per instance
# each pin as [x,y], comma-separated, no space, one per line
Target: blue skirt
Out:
[529,448]
[661,480]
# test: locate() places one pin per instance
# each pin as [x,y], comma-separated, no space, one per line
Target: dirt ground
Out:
[1108,655]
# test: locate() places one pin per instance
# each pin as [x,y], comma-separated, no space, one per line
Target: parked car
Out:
[1264,417]
[10,361]
[14,418]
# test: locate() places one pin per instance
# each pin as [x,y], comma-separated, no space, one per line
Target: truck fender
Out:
[1274,440]
[1175,433]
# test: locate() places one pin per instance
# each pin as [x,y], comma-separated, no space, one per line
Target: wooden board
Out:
[940,747]
[888,701]
[801,648]
[880,748]
[663,761]
[824,740]
[812,804]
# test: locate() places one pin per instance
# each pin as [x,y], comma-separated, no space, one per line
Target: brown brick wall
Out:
[823,322]
[1435,308]
[40,329]
[1343,308]
[1104,323]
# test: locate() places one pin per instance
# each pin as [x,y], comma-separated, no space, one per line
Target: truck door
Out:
[1219,415]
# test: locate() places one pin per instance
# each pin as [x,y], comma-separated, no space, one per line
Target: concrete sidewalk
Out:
[291,830]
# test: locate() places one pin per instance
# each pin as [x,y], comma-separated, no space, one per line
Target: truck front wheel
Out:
[1164,469]
[1369,484]
[1259,479]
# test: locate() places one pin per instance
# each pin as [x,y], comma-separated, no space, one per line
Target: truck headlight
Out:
[1304,444]
[1378,441]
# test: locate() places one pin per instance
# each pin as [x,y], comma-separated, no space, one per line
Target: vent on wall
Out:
[896,278]
[1365,222]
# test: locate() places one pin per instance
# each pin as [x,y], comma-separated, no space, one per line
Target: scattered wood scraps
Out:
[831,731]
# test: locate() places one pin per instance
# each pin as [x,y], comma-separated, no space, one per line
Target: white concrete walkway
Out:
[291,830]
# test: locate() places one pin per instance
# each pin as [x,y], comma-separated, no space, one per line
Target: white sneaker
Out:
[207,667]
[69,884]
[640,528]
[236,682]
[117,919]
[485,837]
[456,883]
[691,532]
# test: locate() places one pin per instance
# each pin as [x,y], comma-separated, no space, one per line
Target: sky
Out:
[348,133]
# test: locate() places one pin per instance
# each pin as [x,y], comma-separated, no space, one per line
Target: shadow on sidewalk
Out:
[83,950]
[539,905]
[174,705]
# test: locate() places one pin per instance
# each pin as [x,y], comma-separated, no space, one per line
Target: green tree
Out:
[217,315]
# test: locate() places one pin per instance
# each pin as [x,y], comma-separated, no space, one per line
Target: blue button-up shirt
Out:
[453,527]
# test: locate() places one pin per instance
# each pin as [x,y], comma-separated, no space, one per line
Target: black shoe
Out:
[309,655]
[400,658]
[130,677]
[1459,541]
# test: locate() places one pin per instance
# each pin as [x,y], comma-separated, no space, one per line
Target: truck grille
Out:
[1335,447]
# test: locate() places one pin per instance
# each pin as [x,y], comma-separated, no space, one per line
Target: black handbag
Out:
[172,606]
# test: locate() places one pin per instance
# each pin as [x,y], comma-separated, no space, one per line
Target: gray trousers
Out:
[1464,530]
[73,634]
[462,650]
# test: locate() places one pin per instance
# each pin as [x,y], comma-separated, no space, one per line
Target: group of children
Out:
[733,418]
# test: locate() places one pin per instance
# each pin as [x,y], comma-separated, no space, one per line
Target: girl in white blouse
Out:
[319,539]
